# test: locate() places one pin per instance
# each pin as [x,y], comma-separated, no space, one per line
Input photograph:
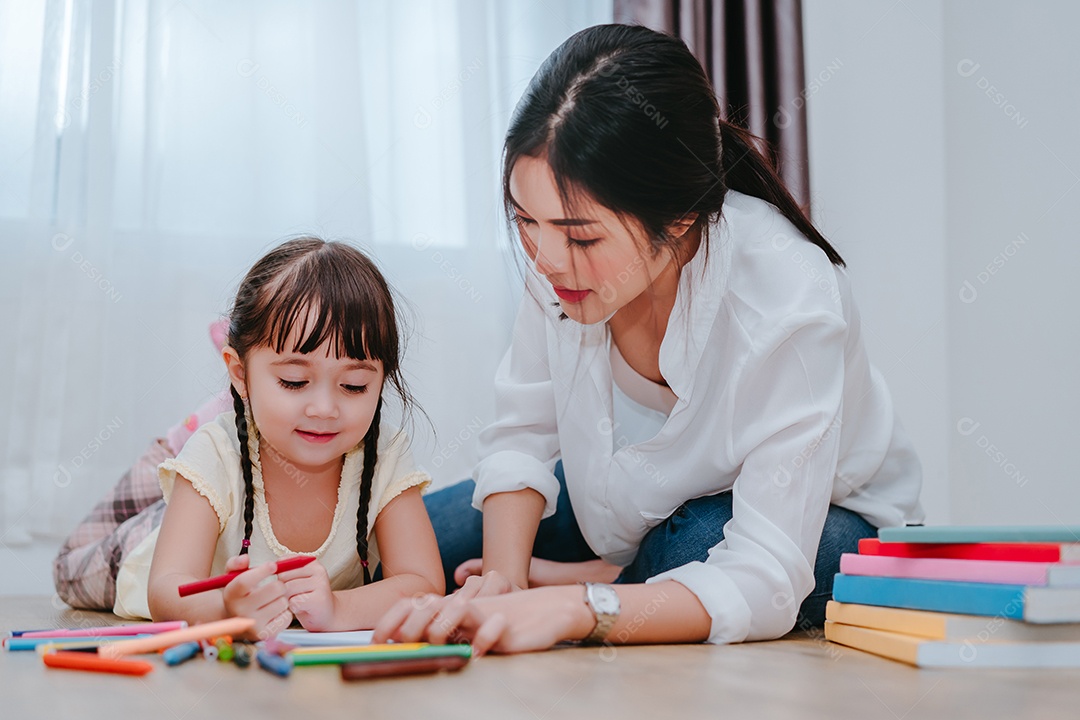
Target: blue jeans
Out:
[684,537]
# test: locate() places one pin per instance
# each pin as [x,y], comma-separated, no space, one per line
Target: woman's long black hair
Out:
[341,292]
[626,116]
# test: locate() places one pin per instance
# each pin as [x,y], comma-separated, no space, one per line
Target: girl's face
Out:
[596,264]
[310,409]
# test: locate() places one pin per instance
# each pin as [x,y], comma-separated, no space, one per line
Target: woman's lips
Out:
[316,437]
[571,296]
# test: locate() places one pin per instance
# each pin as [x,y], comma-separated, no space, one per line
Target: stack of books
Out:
[962,596]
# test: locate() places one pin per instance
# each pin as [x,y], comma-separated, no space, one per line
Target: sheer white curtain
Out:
[151,151]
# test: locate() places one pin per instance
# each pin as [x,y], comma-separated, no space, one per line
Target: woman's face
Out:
[596,263]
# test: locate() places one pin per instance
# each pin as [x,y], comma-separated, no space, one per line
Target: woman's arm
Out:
[510,523]
[664,612]
[184,553]
[543,573]
[410,563]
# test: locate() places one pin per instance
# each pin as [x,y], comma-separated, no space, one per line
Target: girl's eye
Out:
[524,220]
[355,389]
[292,384]
[582,243]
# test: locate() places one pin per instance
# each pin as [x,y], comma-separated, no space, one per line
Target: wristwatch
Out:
[604,603]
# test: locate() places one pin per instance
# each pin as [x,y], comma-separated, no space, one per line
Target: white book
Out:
[922,652]
[303,638]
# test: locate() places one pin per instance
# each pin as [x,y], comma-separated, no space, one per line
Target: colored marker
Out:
[388,648]
[276,664]
[232,626]
[242,655]
[332,656]
[20,633]
[221,581]
[96,663]
[113,630]
[16,644]
[224,649]
[180,653]
[209,651]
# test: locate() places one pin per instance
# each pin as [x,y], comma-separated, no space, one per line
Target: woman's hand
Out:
[473,584]
[543,573]
[310,598]
[266,604]
[509,623]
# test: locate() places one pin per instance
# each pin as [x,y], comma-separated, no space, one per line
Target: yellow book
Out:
[922,652]
[948,626]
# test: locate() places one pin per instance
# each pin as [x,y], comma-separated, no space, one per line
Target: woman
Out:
[688,347]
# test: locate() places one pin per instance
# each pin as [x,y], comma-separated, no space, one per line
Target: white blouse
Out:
[776,402]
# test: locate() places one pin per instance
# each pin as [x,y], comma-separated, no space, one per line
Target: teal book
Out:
[1015,602]
[981,533]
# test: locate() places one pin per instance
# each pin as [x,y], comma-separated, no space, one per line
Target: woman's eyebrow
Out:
[560,222]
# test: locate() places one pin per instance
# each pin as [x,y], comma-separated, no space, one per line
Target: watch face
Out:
[604,599]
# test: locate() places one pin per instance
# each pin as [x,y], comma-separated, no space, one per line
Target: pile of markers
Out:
[108,649]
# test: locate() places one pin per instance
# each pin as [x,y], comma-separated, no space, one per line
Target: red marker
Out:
[84,661]
[221,581]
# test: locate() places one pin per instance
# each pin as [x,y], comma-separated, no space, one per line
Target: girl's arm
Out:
[662,612]
[184,553]
[410,563]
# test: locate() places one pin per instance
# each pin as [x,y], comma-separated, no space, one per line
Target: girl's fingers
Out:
[274,607]
[298,603]
[300,586]
[278,622]
[248,580]
[265,594]
[237,562]
[488,634]
[312,569]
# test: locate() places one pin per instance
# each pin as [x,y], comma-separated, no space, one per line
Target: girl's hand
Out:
[509,623]
[266,604]
[310,598]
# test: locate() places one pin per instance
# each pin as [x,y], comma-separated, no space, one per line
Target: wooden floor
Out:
[798,677]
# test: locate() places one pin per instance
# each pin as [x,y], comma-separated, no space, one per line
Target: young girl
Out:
[303,463]
[689,352]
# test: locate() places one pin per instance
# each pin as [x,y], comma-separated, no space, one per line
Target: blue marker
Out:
[181,653]
[274,663]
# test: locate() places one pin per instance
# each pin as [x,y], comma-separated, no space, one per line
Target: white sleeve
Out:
[520,448]
[785,423]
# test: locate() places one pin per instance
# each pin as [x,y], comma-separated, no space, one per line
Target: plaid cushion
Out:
[85,569]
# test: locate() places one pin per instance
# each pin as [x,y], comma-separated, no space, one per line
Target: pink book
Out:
[984,571]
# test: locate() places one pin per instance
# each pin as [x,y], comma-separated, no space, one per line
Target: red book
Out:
[1015,552]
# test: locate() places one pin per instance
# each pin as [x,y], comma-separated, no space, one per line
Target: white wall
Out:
[944,159]
[1012,164]
[877,177]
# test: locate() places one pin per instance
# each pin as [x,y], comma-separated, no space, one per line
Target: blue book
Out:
[981,533]
[1015,602]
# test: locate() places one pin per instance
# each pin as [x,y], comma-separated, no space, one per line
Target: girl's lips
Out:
[571,296]
[316,437]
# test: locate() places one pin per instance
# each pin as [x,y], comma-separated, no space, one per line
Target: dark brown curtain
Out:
[753,52]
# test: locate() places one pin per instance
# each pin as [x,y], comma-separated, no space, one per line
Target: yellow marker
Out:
[388,647]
